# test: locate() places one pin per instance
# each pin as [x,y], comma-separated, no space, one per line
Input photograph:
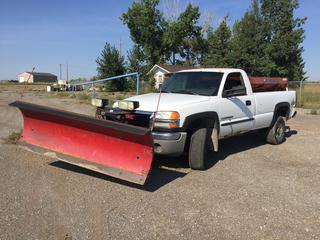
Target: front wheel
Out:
[276,134]
[198,150]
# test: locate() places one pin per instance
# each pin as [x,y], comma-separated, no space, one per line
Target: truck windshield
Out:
[197,83]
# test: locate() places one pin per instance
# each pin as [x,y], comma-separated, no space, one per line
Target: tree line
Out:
[266,41]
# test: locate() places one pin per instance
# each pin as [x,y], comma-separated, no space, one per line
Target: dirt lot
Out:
[251,191]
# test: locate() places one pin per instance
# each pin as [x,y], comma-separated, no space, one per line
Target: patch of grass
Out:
[119,97]
[310,96]
[147,89]
[12,138]
[57,94]
[111,102]
[83,97]
[63,94]
[313,112]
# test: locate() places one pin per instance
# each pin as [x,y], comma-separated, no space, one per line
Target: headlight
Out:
[99,102]
[168,119]
[126,105]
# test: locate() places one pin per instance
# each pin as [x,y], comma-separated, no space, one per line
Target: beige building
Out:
[37,77]
[161,72]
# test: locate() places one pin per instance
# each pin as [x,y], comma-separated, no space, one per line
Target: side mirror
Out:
[235,91]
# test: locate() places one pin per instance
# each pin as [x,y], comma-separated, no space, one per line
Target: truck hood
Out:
[168,101]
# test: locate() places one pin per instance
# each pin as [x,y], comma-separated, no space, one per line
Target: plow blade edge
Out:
[119,150]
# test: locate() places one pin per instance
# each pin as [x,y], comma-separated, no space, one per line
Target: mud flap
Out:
[116,149]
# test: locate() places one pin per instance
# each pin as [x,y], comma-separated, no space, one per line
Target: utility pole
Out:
[67,72]
[120,47]
[60,71]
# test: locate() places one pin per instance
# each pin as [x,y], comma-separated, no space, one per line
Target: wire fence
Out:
[308,93]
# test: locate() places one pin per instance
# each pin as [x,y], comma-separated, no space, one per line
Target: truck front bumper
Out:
[169,143]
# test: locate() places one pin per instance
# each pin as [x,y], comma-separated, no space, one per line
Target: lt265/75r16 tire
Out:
[276,133]
[198,150]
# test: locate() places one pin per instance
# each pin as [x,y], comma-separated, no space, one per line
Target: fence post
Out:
[300,93]
[138,84]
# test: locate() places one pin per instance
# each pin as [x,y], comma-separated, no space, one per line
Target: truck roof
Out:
[222,70]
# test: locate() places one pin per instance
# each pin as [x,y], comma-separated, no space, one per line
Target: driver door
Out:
[237,107]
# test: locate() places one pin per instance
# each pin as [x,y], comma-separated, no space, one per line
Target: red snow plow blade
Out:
[116,149]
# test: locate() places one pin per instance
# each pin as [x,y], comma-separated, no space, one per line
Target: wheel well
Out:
[201,120]
[281,109]
[204,119]
[200,123]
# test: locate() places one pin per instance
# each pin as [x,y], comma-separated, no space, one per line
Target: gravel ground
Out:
[251,191]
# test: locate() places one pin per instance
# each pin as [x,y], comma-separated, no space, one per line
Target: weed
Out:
[12,138]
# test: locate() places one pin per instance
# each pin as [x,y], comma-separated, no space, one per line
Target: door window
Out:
[233,80]
[234,84]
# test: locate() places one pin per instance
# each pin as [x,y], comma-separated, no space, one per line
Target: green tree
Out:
[174,40]
[283,38]
[136,59]
[192,43]
[247,42]
[219,46]
[111,63]
[183,36]
[136,62]
[145,23]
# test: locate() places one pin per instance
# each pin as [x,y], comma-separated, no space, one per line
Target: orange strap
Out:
[155,113]
[25,84]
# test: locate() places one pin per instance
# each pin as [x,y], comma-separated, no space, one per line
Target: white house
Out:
[161,72]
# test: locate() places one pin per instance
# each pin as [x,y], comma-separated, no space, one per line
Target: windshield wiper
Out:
[184,92]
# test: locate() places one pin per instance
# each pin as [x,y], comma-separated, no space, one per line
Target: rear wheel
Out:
[276,134]
[198,150]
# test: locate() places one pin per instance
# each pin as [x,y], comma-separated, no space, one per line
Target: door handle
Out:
[226,118]
[248,103]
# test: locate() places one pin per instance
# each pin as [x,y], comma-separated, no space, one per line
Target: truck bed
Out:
[265,106]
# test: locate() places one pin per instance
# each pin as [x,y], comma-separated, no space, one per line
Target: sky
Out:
[44,34]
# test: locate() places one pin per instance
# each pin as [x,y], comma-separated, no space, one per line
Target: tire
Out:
[198,150]
[276,134]
[97,115]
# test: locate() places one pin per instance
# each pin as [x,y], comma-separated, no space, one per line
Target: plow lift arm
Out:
[120,150]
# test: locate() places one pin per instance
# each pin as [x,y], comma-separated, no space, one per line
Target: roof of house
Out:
[41,74]
[170,68]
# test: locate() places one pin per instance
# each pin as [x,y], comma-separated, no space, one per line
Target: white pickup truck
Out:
[196,108]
